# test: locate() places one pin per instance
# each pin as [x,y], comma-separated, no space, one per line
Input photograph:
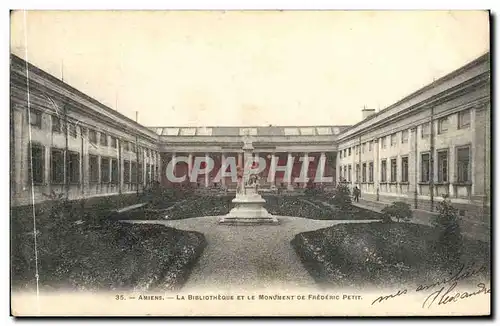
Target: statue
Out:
[248,204]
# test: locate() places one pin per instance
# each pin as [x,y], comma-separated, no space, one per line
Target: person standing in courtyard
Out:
[356,193]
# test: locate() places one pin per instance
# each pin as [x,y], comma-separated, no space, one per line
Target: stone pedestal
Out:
[249,210]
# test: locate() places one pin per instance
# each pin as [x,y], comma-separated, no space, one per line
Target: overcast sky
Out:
[249,68]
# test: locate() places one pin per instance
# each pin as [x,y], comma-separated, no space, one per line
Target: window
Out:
[35,118]
[73,172]
[404,169]
[72,130]
[57,165]
[350,173]
[126,172]
[370,144]
[394,170]
[442,157]
[113,142]
[94,168]
[363,172]
[105,164]
[463,164]
[393,139]
[349,151]
[133,172]
[340,154]
[36,166]
[126,146]
[370,172]
[93,136]
[104,139]
[132,147]
[404,136]
[140,176]
[114,171]
[425,167]
[363,146]
[382,142]
[442,125]
[464,119]
[357,172]
[383,171]
[426,130]
[56,124]
[148,173]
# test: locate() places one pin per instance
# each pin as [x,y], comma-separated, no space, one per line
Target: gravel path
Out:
[249,257]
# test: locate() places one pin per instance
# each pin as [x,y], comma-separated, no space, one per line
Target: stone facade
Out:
[432,143]
[78,147]
[420,162]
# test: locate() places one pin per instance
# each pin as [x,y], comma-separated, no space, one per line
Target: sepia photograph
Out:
[250,163]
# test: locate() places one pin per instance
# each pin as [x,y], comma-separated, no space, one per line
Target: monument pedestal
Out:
[249,210]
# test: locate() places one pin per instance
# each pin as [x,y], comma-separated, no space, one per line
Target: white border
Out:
[192,5]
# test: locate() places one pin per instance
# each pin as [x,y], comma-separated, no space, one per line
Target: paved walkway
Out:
[249,257]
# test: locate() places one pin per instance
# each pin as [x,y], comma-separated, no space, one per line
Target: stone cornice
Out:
[65,93]
[477,69]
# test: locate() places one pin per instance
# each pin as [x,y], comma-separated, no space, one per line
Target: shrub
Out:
[448,222]
[398,210]
[343,196]
[312,190]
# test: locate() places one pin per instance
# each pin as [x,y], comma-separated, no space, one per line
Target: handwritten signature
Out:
[445,297]
[443,293]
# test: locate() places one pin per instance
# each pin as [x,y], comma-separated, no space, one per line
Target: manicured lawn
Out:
[313,208]
[194,206]
[379,254]
[214,205]
[104,256]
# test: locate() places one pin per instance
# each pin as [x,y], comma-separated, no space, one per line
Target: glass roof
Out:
[307,131]
[187,132]
[292,132]
[324,130]
[204,131]
[252,131]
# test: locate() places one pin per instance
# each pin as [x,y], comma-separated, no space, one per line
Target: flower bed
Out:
[105,256]
[301,206]
[195,206]
[380,254]
[214,205]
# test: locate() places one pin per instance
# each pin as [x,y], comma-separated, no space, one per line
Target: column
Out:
[473,157]
[222,168]
[20,157]
[321,166]
[173,164]
[305,168]
[120,166]
[190,166]
[207,173]
[240,160]
[289,165]
[272,171]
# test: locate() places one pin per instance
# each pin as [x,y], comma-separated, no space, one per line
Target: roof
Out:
[252,131]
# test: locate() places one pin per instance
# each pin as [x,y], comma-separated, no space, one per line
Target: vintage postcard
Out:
[250,163]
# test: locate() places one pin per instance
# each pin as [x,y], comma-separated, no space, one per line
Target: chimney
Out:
[367,112]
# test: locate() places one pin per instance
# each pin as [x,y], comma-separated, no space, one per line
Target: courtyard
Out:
[179,245]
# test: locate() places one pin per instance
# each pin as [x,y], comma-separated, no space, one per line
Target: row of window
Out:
[463,168]
[464,118]
[104,140]
[105,172]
